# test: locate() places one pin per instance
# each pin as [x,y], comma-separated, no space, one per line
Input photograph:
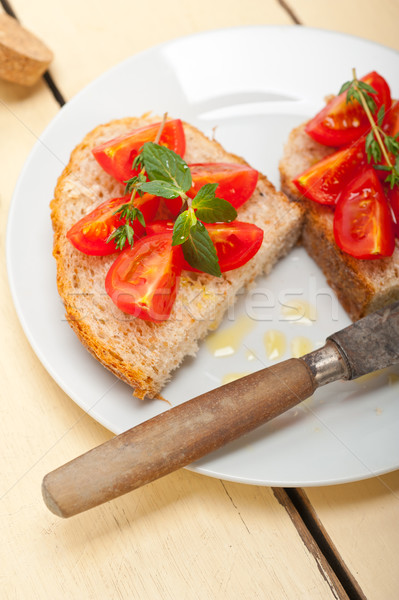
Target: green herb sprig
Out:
[378,143]
[128,211]
[170,177]
[164,173]
[125,233]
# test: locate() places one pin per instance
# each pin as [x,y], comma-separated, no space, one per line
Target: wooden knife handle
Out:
[176,438]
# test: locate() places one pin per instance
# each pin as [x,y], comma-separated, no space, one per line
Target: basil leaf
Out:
[163,164]
[215,211]
[200,252]
[183,224]
[164,189]
[206,192]
[211,209]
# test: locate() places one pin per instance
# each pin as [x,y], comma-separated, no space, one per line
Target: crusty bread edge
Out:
[343,272]
[135,377]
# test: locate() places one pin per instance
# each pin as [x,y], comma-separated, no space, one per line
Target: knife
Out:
[199,426]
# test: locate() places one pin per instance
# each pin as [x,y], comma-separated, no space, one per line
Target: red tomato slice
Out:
[236,182]
[236,243]
[90,234]
[157,227]
[148,205]
[116,156]
[363,225]
[325,180]
[340,123]
[391,126]
[143,281]
[393,197]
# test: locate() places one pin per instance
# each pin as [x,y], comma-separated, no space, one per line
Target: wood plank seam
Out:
[315,530]
[303,508]
[8,8]
[311,521]
[285,6]
[54,88]
[47,75]
[327,572]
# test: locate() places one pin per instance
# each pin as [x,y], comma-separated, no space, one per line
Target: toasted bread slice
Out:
[362,286]
[142,353]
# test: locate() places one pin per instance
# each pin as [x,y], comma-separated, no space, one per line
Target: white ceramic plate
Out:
[253,84]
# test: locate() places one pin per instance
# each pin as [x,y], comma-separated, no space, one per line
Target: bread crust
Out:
[361,286]
[142,353]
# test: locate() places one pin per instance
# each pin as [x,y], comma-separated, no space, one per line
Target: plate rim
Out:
[53,122]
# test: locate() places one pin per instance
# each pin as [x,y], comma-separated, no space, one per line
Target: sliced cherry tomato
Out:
[236,243]
[325,180]
[363,225]
[148,205]
[236,182]
[341,123]
[157,227]
[391,126]
[143,281]
[393,197]
[90,234]
[116,156]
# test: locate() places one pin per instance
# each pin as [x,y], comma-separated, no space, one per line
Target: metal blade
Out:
[370,344]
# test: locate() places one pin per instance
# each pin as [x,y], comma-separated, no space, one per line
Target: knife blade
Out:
[203,424]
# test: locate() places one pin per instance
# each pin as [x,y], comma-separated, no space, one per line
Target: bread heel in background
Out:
[340,165]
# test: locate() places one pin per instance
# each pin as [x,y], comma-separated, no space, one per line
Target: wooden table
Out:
[185,536]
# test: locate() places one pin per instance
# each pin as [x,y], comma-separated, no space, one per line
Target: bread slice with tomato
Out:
[141,352]
[351,237]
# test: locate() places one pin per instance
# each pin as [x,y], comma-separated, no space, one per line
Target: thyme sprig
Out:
[125,233]
[162,172]
[128,211]
[379,145]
